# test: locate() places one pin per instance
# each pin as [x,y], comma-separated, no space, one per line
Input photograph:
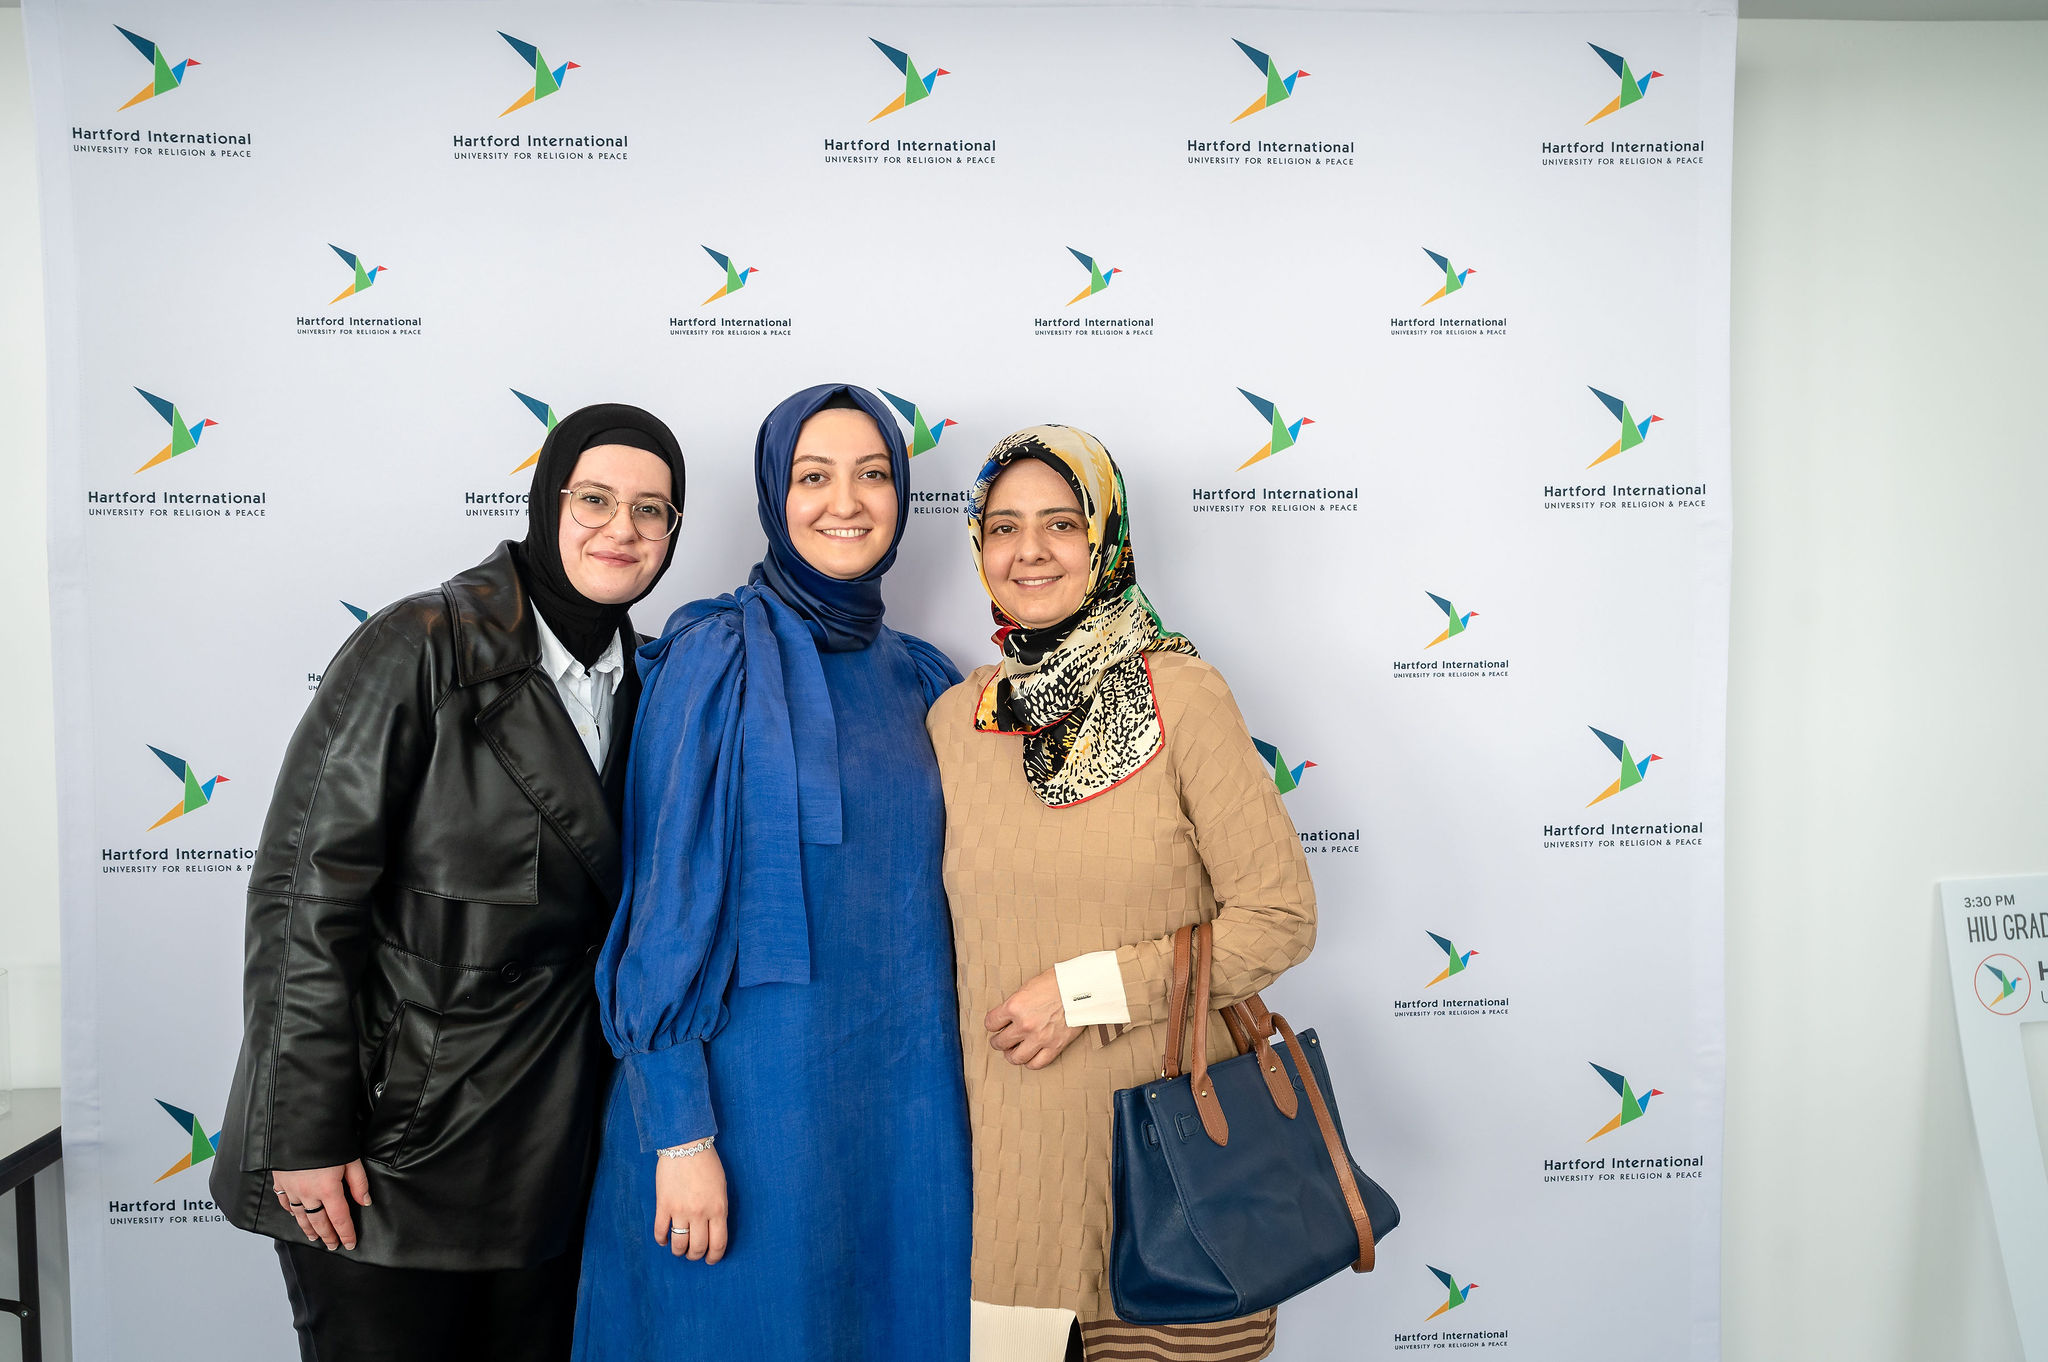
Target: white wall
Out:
[1886,727]
[28,821]
[1886,721]
[28,769]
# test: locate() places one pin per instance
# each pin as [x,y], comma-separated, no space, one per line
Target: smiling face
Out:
[842,494]
[612,564]
[1034,545]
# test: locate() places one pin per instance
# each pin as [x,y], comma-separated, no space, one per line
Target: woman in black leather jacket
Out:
[421,1066]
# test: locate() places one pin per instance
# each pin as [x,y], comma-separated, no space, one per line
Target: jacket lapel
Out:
[534,741]
[526,726]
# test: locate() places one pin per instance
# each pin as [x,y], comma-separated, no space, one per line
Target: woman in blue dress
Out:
[784,1173]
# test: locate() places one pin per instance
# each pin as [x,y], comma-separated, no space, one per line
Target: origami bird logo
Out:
[1457,963]
[1284,435]
[735,280]
[183,437]
[1453,279]
[362,615]
[1631,1105]
[1632,771]
[1457,623]
[545,82]
[1285,779]
[1278,87]
[1633,432]
[1458,1293]
[204,1146]
[1631,88]
[915,87]
[923,434]
[196,796]
[543,413]
[2006,986]
[167,77]
[364,278]
[1097,280]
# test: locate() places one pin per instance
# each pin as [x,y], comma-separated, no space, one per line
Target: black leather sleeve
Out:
[348,775]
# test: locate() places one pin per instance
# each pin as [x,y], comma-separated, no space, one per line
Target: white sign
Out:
[1997,933]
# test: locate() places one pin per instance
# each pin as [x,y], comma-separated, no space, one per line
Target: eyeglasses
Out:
[593,507]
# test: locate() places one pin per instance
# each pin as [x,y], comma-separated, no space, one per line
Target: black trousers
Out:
[346,1311]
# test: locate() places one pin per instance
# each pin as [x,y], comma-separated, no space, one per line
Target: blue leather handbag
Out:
[1219,1216]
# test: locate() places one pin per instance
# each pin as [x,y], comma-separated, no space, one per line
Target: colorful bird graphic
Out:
[1632,771]
[1284,435]
[915,87]
[1631,1105]
[1285,779]
[204,1146]
[545,82]
[1278,87]
[735,280]
[362,615]
[167,78]
[1458,1293]
[184,438]
[196,796]
[1631,88]
[2006,986]
[1633,432]
[1453,279]
[1458,623]
[364,278]
[543,413]
[923,434]
[1457,963]
[1097,280]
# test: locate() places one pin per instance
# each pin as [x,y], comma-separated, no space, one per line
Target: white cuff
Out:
[1092,990]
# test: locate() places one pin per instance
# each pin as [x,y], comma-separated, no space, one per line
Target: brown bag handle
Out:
[1177,1004]
[1206,1105]
[1339,1160]
[1249,1023]
[1251,1027]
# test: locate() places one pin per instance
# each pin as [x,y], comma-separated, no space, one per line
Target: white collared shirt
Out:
[586,691]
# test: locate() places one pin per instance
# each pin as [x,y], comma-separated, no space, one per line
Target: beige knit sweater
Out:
[1198,834]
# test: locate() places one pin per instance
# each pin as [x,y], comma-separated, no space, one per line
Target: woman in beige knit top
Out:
[1101,791]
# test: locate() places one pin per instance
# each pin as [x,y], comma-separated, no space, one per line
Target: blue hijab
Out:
[736,744]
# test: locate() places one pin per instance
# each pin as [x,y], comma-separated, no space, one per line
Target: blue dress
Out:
[839,1104]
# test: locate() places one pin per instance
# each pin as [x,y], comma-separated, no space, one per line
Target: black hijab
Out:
[585,627]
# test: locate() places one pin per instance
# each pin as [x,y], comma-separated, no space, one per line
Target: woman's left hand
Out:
[1030,1026]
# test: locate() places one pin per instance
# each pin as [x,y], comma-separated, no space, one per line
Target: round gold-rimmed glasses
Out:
[593,508]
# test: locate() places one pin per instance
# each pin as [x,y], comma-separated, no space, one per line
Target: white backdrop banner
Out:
[1410,331]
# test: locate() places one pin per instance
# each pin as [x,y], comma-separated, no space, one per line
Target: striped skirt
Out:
[1235,1340]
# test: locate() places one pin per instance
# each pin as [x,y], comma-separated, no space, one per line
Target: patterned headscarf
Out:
[1079,690]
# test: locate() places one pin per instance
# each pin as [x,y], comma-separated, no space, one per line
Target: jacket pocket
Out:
[398,1089]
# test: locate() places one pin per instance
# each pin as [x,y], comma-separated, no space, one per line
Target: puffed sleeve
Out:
[349,769]
[668,961]
[1265,919]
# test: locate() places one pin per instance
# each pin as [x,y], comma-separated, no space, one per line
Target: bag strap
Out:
[1339,1160]
[1251,1025]
[1206,1105]
[1177,1003]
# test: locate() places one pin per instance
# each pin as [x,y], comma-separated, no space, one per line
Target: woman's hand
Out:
[318,1199]
[1030,1026]
[689,1205]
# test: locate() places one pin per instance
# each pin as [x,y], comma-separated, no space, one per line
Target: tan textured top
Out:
[1197,834]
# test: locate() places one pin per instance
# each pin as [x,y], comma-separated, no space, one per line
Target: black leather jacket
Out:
[436,874]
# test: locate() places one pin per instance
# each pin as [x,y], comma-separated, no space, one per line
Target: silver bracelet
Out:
[687,1151]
